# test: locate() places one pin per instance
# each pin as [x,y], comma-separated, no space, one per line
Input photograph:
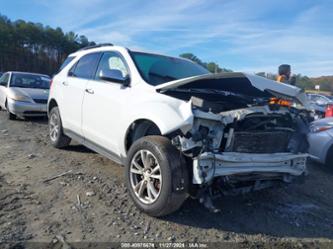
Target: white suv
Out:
[178,129]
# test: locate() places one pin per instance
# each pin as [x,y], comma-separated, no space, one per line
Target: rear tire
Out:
[164,190]
[57,137]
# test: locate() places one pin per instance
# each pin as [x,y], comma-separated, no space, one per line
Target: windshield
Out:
[159,69]
[30,81]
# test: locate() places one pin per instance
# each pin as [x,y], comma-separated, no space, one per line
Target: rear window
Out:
[66,62]
[86,66]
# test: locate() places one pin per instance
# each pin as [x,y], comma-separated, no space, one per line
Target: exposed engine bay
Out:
[240,140]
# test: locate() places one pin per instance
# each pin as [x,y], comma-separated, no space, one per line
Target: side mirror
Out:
[114,75]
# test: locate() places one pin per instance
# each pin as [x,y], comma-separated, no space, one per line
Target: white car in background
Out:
[178,129]
[24,94]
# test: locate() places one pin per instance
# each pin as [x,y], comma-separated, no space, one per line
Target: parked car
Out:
[178,129]
[321,141]
[319,104]
[1,73]
[24,94]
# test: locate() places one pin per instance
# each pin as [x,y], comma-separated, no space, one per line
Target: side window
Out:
[66,62]
[71,71]
[4,80]
[86,67]
[111,61]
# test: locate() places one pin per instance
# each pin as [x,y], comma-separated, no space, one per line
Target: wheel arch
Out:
[52,103]
[138,129]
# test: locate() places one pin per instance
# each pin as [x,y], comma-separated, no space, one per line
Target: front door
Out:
[103,104]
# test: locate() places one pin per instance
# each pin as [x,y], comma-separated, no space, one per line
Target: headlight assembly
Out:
[19,97]
[319,128]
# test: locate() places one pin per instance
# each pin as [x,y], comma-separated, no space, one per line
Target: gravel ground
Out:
[90,203]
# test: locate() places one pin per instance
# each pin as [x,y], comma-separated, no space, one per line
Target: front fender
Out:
[168,117]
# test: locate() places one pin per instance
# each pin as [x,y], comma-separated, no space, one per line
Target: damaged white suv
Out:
[179,130]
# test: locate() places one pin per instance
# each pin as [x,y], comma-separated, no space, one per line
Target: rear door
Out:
[73,91]
[103,104]
[3,89]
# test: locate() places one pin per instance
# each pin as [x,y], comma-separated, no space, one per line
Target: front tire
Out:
[156,176]
[10,115]
[57,137]
[329,158]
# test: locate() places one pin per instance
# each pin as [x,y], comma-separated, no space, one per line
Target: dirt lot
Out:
[33,210]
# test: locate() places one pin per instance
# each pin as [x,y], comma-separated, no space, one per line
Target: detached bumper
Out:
[209,165]
[26,109]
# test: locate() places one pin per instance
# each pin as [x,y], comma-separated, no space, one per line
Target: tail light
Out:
[329,111]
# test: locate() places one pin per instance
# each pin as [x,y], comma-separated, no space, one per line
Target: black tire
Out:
[60,140]
[329,158]
[173,171]
[10,115]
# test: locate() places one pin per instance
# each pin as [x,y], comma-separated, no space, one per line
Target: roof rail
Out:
[96,46]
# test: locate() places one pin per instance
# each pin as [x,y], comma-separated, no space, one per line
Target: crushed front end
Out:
[245,149]
[248,133]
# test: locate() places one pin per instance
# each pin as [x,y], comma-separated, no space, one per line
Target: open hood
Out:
[239,83]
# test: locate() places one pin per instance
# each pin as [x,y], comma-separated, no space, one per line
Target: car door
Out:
[73,91]
[3,89]
[103,104]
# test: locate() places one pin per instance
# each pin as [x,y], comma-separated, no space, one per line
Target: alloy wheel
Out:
[54,127]
[145,176]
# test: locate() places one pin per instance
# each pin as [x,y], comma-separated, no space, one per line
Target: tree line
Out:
[302,81]
[307,83]
[210,66]
[33,47]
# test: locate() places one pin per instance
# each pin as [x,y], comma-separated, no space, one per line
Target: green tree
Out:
[33,47]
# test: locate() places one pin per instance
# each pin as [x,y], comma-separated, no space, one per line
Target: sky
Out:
[242,35]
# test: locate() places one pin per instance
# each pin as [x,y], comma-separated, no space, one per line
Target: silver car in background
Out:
[321,141]
[319,104]
[24,94]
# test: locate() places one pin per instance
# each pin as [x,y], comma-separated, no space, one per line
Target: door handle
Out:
[89,90]
[65,83]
